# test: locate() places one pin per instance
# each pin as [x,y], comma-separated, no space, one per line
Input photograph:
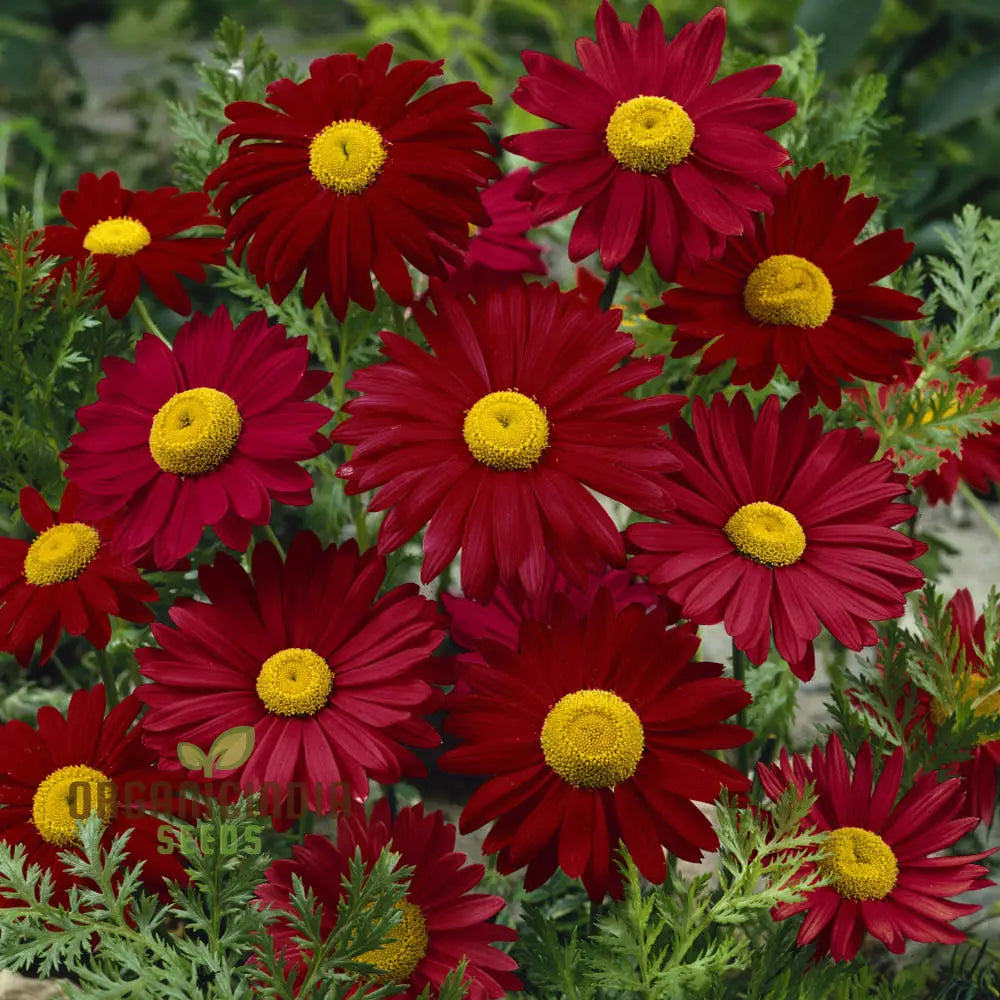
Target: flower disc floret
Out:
[592,739]
[60,800]
[405,945]
[649,134]
[61,553]
[294,682]
[121,237]
[787,290]
[860,863]
[195,431]
[767,534]
[347,156]
[969,691]
[506,430]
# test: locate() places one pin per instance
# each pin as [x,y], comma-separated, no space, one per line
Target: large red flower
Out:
[333,678]
[595,730]
[205,434]
[878,853]
[441,921]
[347,174]
[78,765]
[495,437]
[67,578]
[796,292]
[780,526]
[134,236]
[649,149]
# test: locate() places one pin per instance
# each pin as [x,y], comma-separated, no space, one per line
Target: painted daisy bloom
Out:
[595,730]
[494,437]
[796,292]
[878,853]
[347,173]
[780,526]
[208,433]
[649,149]
[67,578]
[333,678]
[441,922]
[500,252]
[134,237]
[78,765]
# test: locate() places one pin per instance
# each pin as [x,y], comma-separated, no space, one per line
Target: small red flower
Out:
[134,236]
[441,922]
[67,578]
[878,853]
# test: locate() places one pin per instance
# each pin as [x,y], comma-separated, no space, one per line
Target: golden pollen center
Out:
[970,691]
[766,533]
[347,156]
[66,796]
[859,863]
[61,553]
[121,237]
[649,134]
[592,739]
[404,947]
[194,432]
[294,682]
[786,290]
[506,430]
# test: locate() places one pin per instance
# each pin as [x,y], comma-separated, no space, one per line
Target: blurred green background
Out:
[84,83]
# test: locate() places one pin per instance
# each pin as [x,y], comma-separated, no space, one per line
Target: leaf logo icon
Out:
[228,751]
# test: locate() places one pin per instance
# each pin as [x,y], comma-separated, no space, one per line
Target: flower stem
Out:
[980,508]
[269,531]
[739,672]
[140,308]
[610,287]
[108,677]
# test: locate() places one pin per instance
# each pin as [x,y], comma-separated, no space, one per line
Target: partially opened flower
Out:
[334,679]
[496,436]
[75,766]
[68,578]
[879,854]
[348,173]
[596,729]
[134,236]
[208,433]
[780,527]
[441,920]
[652,152]
[796,292]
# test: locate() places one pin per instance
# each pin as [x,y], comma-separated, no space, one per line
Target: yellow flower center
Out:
[194,432]
[294,682]
[506,430]
[66,796]
[592,739]
[649,134]
[859,863]
[766,533]
[347,156]
[404,947]
[61,553]
[121,237]
[788,291]
[969,692]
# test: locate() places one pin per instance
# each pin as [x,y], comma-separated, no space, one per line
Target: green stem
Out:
[610,287]
[66,675]
[980,508]
[739,672]
[147,320]
[269,531]
[107,675]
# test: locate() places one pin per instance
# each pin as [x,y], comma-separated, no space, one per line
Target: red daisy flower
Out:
[441,922]
[649,149]
[346,174]
[797,292]
[500,252]
[780,526]
[205,434]
[494,437]
[877,854]
[133,235]
[78,765]
[595,731]
[332,680]
[67,578]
